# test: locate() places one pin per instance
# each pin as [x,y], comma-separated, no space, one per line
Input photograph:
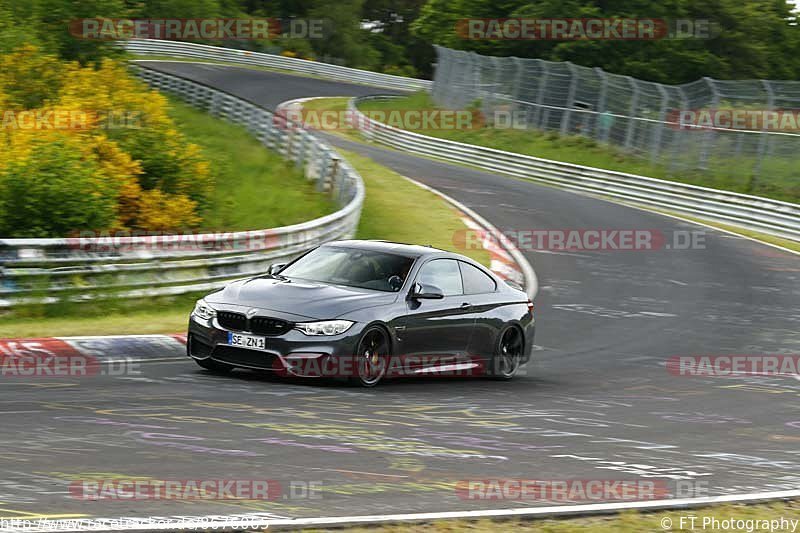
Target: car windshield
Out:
[352,267]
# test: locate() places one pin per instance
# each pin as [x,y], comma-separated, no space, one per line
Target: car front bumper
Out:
[292,354]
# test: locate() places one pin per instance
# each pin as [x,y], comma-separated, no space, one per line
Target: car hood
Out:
[304,298]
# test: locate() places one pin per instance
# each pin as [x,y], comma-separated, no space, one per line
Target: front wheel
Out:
[508,356]
[214,366]
[372,357]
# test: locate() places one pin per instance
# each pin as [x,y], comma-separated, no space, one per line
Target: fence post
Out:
[708,138]
[441,75]
[655,147]
[475,76]
[516,90]
[631,112]
[681,135]
[540,94]
[763,137]
[573,86]
[602,132]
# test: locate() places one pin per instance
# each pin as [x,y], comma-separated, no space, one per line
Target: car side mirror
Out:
[274,268]
[426,292]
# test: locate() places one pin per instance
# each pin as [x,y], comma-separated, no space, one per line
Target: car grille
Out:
[262,325]
[229,320]
[269,326]
[244,357]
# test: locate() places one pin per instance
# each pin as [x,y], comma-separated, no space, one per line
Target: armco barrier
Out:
[302,66]
[43,270]
[773,217]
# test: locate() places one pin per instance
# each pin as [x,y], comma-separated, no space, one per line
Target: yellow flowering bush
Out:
[91,149]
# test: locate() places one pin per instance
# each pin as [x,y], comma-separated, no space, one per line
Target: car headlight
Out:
[326,327]
[203,310]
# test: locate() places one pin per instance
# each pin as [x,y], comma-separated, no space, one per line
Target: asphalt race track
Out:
[598,401]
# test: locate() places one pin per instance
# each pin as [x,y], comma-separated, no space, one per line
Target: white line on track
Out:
[245,522]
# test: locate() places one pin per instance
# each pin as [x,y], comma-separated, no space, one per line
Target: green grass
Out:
[255,187]
[779,177]
[628,522]
[167,314]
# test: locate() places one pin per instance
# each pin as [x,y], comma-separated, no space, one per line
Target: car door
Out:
[480,292]
[437,332]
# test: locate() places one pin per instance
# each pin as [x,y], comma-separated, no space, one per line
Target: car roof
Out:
[413,250]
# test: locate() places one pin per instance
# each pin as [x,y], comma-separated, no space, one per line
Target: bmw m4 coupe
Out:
[364,311]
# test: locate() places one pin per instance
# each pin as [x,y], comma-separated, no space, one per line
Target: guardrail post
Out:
[326,181]
[302,142]
[213,109]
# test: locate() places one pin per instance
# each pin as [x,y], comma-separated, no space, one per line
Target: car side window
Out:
[476,281]
[442,273]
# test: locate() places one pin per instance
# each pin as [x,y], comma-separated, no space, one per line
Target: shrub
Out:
[128,162]
[54,187]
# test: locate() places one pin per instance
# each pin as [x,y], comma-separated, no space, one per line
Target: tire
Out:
[372,357]
[508,355]
[214,366]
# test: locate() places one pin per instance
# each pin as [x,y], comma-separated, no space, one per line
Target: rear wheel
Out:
[508,357]
[372,357]
[214,366]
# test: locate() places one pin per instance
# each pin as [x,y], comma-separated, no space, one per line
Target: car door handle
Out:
[466,305]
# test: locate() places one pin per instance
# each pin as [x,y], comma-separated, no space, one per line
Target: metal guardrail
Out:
[303,66]
[43,270]
[773,217]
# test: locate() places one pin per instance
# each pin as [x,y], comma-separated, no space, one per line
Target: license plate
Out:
[247,341]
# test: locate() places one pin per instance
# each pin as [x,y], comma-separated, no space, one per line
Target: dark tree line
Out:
[751,38]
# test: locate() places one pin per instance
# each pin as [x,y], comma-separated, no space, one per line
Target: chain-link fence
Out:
[682,129]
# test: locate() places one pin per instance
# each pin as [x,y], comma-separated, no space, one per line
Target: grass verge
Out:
[398,210]
[627,522]
[167,314]
[778,176]
[255,187]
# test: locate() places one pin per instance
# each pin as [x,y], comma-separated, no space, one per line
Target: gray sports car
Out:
[364,311]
